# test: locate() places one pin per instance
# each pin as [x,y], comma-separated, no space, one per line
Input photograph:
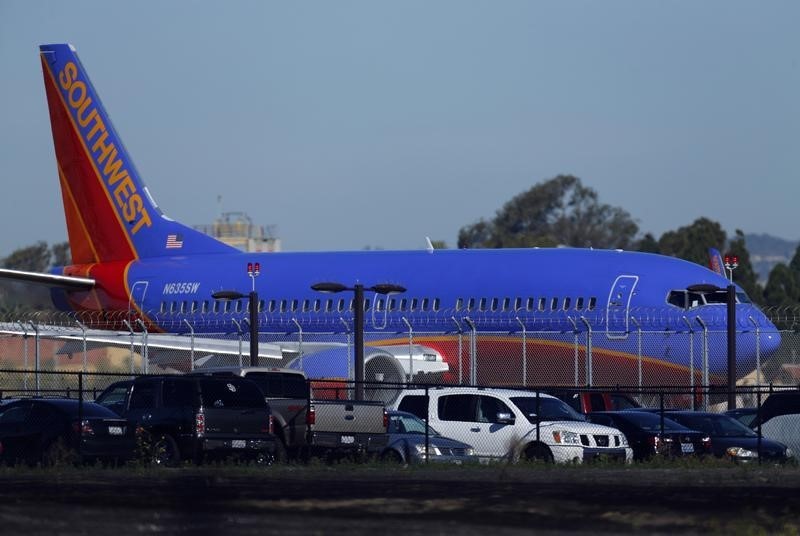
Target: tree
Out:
[648,244]
[692,242]
[744,274]
[61,254]
[559,211]
[35,258]
[783,285]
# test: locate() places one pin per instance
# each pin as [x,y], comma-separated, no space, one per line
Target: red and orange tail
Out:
[110,214]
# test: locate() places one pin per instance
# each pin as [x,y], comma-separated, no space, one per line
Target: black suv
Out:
[195,417]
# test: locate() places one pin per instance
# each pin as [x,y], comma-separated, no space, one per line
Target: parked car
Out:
[406,443]
[586,401]
[49,430]
[514,424]
[730,438]
[650,435]
[195,417]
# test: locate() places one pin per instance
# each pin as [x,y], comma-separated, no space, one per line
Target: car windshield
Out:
[715,425]
[408,424]
[545,409]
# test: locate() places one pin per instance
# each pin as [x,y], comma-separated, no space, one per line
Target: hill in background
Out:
[766,251]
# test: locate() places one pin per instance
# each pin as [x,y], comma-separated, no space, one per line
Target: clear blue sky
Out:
[366,123]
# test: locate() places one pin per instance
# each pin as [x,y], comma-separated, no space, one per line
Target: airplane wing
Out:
[52,280]
[175,351]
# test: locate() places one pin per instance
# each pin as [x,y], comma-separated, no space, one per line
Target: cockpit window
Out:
[687,299]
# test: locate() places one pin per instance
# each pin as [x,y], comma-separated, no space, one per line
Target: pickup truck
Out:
[514,424]
[309,426]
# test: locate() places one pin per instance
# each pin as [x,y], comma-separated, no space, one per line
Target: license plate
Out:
[687,448]
[238,443]
[115,430]
[348,439]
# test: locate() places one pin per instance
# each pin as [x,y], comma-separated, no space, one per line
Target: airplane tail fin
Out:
[715,262]
[110,214]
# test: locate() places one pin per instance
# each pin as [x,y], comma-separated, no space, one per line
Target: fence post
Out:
[299,341]
[410,351]
[191,345]
[638,348]
[427,424]
[350,372]
[575,345]
[36,356]
[145,358]
[705,362]
[25,355]
[758,351]
[758,417]
[691,359]
[588,351]
[239,330]
[460,350]
[473,351]
[524,352]
[130,328]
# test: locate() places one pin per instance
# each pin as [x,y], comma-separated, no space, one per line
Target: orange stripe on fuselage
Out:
[111,242]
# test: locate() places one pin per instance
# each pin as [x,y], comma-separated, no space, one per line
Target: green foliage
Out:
[648,244]
[692,242]
[559,211]
[783,286]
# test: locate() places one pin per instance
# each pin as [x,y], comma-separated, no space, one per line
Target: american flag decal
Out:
[174,241]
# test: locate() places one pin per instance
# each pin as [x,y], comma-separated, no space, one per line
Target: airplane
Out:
[525,313]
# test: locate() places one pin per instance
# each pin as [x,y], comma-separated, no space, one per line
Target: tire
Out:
[392,456]
[538,453]
[166,452]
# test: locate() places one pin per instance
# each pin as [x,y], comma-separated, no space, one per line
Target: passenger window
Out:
[306,306]
[471,304]
[494,304]
[592,304]
[163,308]
[506,304]
[483,305]
[392,304]
[416,404]
[554,304]
[414,304]
[403,303]
[489,407]
[177,393]
[517,304]
[579,304]
[317,305]
[425,304]
[542,304]
[143,396]
[295,305]
[457,408]
[436,304]
[566,303]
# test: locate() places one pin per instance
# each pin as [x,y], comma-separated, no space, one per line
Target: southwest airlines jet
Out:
[130,261]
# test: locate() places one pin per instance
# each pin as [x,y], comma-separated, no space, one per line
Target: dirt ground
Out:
[373,500]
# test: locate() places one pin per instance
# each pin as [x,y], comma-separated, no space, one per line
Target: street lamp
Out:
[358,320]
[253,270]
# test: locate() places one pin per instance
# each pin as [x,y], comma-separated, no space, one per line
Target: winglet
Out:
[429,246]
[715,262]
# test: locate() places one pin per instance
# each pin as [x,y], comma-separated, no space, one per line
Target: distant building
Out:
[237,229]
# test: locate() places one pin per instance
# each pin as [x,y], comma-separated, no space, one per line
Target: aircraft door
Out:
[380,306]
[136,300]
[618,306]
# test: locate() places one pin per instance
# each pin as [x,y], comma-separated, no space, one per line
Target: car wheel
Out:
[165,452]
[391,456]
[538,453]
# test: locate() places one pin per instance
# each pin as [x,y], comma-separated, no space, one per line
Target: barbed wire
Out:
[445,321]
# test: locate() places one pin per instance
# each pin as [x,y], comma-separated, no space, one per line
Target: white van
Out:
[514,424]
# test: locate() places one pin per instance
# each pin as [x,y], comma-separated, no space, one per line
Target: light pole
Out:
[253,270]
[358,320]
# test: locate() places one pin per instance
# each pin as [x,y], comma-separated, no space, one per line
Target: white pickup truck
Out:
[514,424]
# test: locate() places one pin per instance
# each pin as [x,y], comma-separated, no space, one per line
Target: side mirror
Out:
[505,418]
